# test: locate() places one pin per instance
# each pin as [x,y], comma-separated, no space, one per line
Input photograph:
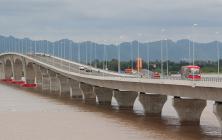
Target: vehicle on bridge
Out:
[190,72]
[155,75]
[81,68]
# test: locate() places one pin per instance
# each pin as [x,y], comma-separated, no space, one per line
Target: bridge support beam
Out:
[64,86]
[217,109]
[189,110]
[87,92]
[30,73]
[152,103]
[54,83]
[38,78]
[125,99]
[104,95]
[45,80]
[75,90]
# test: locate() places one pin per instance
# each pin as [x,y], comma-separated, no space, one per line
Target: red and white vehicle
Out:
[155,75]
[190,72]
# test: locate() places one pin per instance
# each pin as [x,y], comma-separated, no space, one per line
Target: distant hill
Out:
[177,51]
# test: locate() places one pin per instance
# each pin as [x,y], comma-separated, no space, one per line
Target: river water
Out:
[25,115]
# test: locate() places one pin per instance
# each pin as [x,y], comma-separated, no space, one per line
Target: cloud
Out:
[108,19]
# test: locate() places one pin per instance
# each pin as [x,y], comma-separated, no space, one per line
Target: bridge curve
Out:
[52,75]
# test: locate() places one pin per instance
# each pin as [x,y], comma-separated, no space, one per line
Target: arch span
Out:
[30,73]
[2,73]
[18,70]
[8,69]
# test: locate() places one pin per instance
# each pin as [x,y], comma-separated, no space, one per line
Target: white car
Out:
[81,68]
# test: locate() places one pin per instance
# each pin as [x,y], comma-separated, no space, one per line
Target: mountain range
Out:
[171,50]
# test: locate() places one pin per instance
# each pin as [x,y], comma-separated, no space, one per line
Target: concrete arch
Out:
[54,83]
[8,68]
[2,72]
[75,91]
[45,80]
[18,69]
[38,76]
[64,88]
[30,73]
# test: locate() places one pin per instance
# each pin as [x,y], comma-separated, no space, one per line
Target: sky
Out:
[112,21]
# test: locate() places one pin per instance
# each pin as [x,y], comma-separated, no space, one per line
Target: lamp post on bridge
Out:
[104,56]
[194,25]
[218,57]
[131,53]
[161,52]
[118,47]
[148,60]
[95,54]
[167,59]
[79,57]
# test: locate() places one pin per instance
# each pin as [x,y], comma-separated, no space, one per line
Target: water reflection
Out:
[92,121]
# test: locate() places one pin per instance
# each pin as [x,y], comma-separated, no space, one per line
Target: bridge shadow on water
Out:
[168,126]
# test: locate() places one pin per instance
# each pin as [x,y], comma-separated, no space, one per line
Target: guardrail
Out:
[75,68]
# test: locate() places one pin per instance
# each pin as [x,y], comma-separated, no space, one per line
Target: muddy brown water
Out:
[27,115]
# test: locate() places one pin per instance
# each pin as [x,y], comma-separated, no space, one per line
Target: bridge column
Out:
[87,92]
[217,109]
[54,83]
[104,95]
[8,69]
[152,103]
[75,90]
[38,77]
[45,80]
[30,73]
[64,86]
[189,110]
[125,99]
[2,72]
[18,70]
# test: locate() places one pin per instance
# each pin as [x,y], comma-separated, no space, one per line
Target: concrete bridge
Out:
[64,78]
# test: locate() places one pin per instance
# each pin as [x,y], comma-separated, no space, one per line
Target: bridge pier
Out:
[87,92]
[18,70]
[125,99]
[38,78]
[64,86]
[217,109]
[104,95]
[75,90]
[54,83]
[8,69]
[152,103]
[189,110]
[45,81]
[29,73]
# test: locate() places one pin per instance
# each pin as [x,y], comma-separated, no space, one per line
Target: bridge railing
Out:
[73,68]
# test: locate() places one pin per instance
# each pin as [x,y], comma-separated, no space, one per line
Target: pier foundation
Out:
[189,110]
[125,99]
[152,103]
[87,92]
[104,95]
[217,109]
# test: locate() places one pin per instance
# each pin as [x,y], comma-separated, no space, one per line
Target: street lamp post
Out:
[194,25]
[95,53]
[104,57]
[118,57]
[218,57]
[161,52]
[148,60]
[167,59]
[131,53]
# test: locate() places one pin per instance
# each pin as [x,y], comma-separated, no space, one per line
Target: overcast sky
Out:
[112,20]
